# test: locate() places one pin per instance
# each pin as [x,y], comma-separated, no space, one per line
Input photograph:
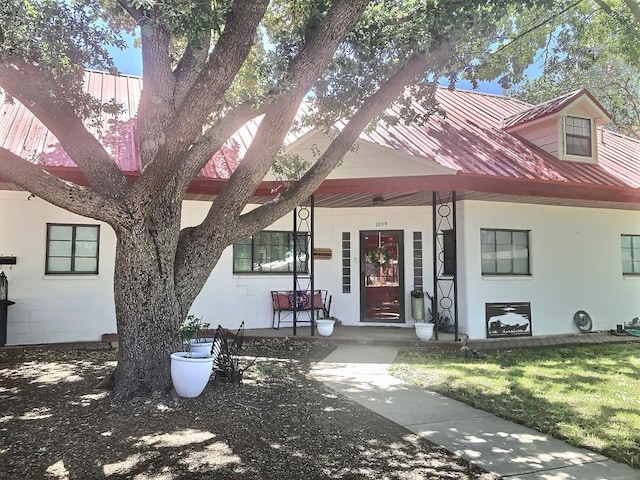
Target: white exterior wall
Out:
[52,308]
[228,299]
[575,259]
[69,308]
[371,161]
[574,255]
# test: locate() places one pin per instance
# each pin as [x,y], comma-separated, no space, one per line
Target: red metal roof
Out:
[470,140]
[26,136]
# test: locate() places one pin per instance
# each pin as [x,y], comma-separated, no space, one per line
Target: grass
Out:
[585,395]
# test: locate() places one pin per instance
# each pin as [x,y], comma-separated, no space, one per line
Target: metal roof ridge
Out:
[551,107]
[117,74]
[617,134]
[560,98]
[484,94]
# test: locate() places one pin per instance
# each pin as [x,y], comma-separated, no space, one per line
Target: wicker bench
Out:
[283,302]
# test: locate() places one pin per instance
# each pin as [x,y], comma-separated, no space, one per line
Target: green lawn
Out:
[588,396]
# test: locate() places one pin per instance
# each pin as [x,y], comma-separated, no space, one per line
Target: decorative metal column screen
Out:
[303,257]
[445,285]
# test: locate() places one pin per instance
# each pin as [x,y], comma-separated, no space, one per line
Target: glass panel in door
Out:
[381,263]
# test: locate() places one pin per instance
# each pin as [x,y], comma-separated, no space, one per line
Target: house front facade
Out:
[516,218]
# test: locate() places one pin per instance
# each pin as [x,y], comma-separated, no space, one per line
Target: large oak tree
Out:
[209,67]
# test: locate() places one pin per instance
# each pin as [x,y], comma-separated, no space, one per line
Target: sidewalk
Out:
[360,372]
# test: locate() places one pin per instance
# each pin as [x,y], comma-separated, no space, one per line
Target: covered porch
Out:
[406,337]
[414,259]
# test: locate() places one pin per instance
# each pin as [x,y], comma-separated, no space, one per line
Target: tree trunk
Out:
[147,310]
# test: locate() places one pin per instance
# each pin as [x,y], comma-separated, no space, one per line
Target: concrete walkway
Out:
[360,372]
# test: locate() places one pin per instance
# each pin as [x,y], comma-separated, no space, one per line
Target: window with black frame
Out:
[72,249]
[271,252]
[630,251]
[505,252]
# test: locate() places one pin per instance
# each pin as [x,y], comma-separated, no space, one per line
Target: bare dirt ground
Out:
[278,424]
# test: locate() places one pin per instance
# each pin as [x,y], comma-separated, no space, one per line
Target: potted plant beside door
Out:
[424,329]
[191,369]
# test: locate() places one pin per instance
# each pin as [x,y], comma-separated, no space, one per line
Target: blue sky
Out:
[129,61]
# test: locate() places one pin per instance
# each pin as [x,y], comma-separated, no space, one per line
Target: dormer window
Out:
[578,136]
[564,127]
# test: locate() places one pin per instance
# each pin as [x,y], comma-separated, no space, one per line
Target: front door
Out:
[381,276]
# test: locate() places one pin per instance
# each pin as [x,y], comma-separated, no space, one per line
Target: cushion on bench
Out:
[284,300]
[317,300]
[281,301]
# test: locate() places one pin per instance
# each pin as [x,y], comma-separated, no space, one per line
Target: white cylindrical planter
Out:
[424,330]
[325,326]
[190,374]
[204,346]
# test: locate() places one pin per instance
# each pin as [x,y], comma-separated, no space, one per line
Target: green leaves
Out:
[289,166]
[595,45]
[62,36]
[60,39]
[191,328]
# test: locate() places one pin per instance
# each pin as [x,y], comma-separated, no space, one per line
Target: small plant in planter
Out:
[417,293]
[190,332]
[190,370]
[444,324]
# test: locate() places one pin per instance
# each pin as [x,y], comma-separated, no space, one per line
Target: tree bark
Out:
[148,313]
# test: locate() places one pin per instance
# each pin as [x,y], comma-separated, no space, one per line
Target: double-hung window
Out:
[72,249]
[577,136]
[271,252]
[630,254]
[505,252]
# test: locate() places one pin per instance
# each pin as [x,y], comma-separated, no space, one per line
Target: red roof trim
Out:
[470,139]
[548,189]
[483,183]
[461,182]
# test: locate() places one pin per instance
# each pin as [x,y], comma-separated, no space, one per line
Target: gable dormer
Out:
[565,126]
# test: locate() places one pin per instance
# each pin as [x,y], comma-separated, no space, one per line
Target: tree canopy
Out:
[208,68]
[594,45]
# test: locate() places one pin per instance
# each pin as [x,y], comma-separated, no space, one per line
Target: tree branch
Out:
[207,92]
[634,7]
[190,65]
[537,26]
[135,13]
[198,156]
[156,112]
[303,71]
[213,140]
[62,194]
[168,134]
[43,96]
[377,103]
[305,68]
